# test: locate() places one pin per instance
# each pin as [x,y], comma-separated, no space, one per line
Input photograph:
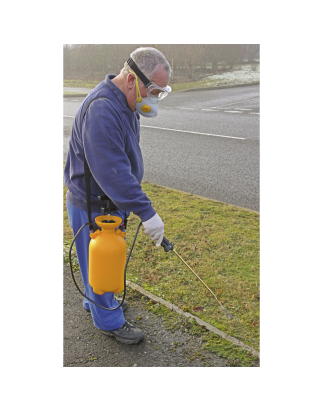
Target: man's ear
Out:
[131,81]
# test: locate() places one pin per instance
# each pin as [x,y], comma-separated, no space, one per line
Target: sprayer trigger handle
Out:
[167,245]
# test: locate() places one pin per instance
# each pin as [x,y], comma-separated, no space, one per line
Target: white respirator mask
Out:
[147,106]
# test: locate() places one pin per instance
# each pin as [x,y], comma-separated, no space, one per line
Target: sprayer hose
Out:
[125,269]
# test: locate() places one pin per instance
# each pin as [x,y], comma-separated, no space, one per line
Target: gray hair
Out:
[148,59]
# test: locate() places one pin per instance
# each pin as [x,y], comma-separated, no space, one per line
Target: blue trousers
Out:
[102,319]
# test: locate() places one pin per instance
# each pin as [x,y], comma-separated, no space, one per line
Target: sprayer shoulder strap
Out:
[87,173]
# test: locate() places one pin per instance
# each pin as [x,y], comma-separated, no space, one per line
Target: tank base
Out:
[99,292]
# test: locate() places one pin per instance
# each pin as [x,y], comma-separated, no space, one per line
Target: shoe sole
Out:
[122,340]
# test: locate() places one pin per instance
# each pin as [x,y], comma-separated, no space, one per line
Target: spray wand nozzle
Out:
[167,245]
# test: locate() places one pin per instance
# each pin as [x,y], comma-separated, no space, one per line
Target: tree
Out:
[253,49]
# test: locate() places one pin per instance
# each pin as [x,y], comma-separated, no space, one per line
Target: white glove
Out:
[154,227]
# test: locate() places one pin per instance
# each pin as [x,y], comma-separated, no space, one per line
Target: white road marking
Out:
[208,109]
[244,109]
[194,132]
[184,131]
[232,111]
[185,108]
[75,100]
[254,113]
[236,102]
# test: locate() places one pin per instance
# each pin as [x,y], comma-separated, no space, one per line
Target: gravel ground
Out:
[86,346]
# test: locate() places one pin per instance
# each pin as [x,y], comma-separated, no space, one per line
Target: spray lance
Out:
[168,246]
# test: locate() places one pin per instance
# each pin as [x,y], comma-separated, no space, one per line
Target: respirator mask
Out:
[147,106]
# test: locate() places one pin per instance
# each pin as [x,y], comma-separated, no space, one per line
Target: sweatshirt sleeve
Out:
[104,147]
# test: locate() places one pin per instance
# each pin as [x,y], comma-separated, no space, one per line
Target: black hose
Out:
[125,269]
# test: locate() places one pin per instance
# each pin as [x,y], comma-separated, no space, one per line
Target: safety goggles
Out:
[154,92]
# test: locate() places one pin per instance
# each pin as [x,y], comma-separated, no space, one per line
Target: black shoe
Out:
[124,305]
[127,334]
[118,300]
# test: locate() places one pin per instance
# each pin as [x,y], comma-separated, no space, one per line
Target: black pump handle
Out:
[167,245]
[109,208]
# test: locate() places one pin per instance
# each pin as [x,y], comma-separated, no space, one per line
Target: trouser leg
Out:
[103,319]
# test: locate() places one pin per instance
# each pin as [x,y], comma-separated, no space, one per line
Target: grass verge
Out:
[175,87]
[72,93]
[221,243]
[203,83]
[81,83]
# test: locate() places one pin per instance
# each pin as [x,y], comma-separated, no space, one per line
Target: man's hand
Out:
[154,227]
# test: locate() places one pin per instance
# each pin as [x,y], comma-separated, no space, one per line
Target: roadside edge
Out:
[208,326]
[203,198]
[202,323]
[182,91]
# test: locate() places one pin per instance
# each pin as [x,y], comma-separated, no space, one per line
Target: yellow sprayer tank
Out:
[107,256]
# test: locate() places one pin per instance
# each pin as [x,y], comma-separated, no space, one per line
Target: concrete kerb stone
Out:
[173,307]
[183,91]
[208,326]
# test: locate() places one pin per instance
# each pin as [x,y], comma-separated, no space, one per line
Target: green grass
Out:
[81,83]
[175,87]
[195,84]
[70,93]
[204,83]
[234,355]
[221,243]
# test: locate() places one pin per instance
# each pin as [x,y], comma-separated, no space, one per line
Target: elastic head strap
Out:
[139,73]
[138,95]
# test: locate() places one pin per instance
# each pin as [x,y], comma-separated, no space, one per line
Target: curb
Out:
[202,323]
[182,91]
[208,326]
[204,198]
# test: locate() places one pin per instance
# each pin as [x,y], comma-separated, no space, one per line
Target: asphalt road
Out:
[202,142]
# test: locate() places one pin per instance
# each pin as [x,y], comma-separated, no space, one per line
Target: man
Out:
[106,130]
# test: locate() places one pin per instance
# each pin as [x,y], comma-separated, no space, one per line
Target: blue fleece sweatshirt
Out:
[110,134]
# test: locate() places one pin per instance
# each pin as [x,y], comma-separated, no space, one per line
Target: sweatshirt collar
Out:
[120,95]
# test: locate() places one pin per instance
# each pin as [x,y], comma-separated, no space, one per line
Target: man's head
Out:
[153,64]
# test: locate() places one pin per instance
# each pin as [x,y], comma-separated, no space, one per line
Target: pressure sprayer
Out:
[108,262]
[107,258]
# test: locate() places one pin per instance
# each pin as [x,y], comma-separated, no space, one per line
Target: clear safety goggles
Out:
[154,93]
[157,93]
